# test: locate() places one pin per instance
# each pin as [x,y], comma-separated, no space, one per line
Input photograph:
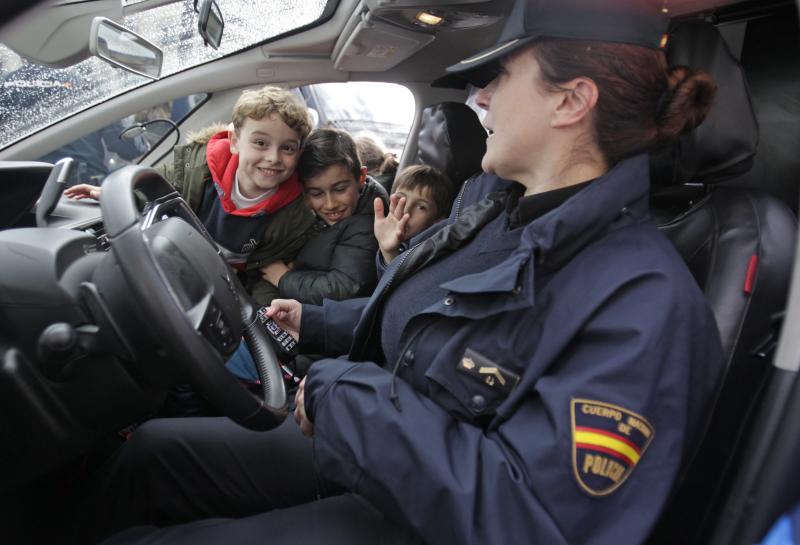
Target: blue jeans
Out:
[242,365]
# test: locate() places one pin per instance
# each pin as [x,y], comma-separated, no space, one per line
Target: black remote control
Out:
[280,336]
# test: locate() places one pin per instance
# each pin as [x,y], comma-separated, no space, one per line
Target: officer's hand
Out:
[300,411]
[83,191]
[287,314]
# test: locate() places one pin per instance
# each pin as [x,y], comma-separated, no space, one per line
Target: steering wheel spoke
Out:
[210,321]
[195,305]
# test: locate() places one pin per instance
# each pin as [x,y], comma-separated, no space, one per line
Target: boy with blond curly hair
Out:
[241,182]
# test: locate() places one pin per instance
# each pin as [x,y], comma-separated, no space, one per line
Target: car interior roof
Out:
[308,57]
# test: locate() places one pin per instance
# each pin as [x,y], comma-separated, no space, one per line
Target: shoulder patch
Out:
[607,443]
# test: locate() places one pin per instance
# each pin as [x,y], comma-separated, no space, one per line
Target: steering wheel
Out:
[196,306]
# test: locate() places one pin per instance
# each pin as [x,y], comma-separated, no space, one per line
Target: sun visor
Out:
[374,46]
[57,34]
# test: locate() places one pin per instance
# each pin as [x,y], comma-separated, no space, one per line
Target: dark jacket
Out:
[285,234]
[475,189]
[537,385]
[337,262]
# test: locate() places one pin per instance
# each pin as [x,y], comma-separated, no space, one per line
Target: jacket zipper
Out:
[395,399]
[385,290]
[460,197]
[399,266]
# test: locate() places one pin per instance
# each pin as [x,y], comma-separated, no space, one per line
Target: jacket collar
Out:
[620,195]
[370,190]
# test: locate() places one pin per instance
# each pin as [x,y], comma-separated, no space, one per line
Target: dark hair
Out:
[427,177]
[643,105]
[327,147]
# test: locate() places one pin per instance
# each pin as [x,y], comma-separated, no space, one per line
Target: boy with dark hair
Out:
[337,261]
[422,196]
[242,182]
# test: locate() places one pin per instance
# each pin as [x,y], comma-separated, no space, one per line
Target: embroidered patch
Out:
[486,371]
[607,443]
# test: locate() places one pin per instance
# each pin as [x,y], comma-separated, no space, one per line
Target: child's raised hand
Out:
[83,191]
[390,229]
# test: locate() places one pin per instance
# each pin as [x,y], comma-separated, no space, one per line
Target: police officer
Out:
[532,372]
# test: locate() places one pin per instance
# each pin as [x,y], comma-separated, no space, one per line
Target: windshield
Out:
[33,96]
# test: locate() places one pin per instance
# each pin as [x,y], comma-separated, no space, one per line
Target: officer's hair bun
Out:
[688,100]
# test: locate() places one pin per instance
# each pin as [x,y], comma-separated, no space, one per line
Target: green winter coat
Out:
[286,232]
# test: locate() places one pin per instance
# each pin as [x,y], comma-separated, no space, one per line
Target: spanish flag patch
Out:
[607,443]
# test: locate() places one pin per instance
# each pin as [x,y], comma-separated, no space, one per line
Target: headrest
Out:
[725,144]
[451,139]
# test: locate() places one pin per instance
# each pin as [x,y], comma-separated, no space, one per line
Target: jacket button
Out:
[408,357]
[187,165]
[478,403]
[448,301]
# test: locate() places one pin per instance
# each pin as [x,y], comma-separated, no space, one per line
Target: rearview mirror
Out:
[210,25]
[125,49]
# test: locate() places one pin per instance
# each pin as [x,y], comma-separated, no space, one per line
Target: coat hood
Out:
[223,165]
[203,136]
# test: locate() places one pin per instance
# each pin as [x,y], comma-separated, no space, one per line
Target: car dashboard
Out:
[70,342]
[21,183]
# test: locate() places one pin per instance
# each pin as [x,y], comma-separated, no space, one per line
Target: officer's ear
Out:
[575,101]
[362,178]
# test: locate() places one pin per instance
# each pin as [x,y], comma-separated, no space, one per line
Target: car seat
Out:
[739,244]
[452,139]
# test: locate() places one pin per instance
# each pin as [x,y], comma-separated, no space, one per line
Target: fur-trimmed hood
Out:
[204,135]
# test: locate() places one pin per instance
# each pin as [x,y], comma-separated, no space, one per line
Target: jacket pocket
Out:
[471,387]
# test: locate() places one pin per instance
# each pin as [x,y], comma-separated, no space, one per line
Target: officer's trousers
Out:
[209,481]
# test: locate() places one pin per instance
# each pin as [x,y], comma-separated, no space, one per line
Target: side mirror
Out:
[125,49]
[210,24]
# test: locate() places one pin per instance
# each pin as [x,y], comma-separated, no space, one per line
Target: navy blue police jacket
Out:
[547,395]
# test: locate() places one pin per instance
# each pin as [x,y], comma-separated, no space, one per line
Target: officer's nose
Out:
[484,97]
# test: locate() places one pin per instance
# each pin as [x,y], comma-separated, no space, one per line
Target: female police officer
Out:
[544,361]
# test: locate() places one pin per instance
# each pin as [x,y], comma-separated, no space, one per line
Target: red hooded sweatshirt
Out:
[223,164]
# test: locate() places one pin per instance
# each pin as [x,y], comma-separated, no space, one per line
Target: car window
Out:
[33,96]
[382,111]
[101,152]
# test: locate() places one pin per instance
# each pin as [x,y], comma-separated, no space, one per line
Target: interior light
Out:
[430,19]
